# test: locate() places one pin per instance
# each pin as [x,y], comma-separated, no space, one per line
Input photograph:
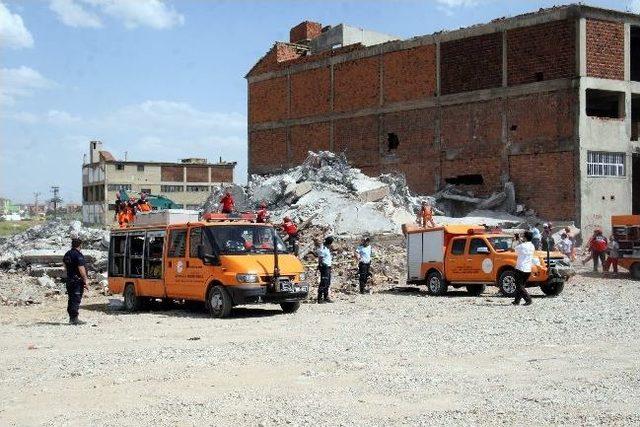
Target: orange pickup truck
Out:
[473,257]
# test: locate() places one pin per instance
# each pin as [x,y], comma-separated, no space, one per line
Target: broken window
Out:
[465,180]
[601,163]
[116,267]
[119,167]
[605,104]
[634,53]
[635,117]
[136,254]
[392,142]
[153,260]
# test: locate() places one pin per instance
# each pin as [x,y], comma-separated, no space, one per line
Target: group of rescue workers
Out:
[126,210]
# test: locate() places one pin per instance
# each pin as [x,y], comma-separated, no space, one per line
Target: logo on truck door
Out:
[487,265]
[179,266]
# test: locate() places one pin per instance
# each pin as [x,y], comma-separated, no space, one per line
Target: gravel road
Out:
[396,357]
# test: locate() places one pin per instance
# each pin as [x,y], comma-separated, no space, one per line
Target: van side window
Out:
[177,243]
[136,254]
[457,247]
[153,260]
[195,239]
[116,268]
[477,244]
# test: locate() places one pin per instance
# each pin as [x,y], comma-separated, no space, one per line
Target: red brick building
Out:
[548,100]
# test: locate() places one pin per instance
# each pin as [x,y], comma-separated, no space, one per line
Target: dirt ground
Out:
[397,357]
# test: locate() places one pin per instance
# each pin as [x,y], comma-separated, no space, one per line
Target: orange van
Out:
[473,257]
[223,263]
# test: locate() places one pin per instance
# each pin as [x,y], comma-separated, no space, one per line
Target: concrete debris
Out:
[44,245]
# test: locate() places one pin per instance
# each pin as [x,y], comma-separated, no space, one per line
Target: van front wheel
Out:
[219,302]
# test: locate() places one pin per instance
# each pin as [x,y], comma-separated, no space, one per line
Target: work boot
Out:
[76,321]
[528,302]
[515,302]
[328,300]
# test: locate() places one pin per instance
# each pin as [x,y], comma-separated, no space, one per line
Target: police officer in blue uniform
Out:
[76,280]
[324,265]
[363,253]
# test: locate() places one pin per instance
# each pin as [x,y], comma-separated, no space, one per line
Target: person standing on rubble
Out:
[262,216]
[547,242]
[524,262]
[227,203]
[425,217]
[324,265]
[535,232]
[363,252]
[143,205]
[292,234]
[77,280]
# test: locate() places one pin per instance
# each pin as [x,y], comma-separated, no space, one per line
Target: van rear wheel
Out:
[132,302]
[552,289]
[436,284]
[290,306]
[219,302]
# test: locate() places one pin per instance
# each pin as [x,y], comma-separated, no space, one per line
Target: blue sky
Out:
[163,80]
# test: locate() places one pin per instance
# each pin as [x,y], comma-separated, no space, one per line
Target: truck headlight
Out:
[303,277]
[247,278]
[536,262]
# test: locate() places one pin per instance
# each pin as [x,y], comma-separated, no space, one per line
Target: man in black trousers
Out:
[76,280]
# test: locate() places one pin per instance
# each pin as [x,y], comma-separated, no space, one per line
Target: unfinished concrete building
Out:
[548,100]
[187,183]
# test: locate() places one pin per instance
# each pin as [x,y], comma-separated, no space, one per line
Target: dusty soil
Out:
[387,358]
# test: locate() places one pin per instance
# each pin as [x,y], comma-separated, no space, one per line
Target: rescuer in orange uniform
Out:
[425,217]
[143,205]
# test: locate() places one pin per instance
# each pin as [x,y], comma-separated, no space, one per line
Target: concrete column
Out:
[581,47]
[627,52]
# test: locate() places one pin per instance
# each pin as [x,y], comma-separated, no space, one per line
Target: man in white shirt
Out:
[363,252]
[325,260]
[525,251]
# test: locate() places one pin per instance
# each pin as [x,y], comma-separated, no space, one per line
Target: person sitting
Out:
[262,216]
[227,203]
[143,205]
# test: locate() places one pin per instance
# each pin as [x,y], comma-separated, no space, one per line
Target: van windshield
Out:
[502,243]
[244,239]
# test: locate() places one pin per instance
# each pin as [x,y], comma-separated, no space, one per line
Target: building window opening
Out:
[119,167]
[604,164]
[635,53]
[605,104]
[539,76]
[392,142]
[635,117]
[465,180]
[140,168]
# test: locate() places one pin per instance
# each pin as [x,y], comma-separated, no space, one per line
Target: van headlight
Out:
[247,278]
[536,262]
[303,277]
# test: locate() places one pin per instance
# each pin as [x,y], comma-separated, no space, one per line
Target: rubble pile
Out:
[40,249]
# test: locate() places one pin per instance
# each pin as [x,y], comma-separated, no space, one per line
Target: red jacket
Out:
[290,228]
[227,203]
[262,215]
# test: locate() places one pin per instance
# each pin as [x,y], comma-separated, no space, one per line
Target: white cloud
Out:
[13,33]
[61,118]
[74,15]
[457,3]
[155,14]
[20,82]
[151,13]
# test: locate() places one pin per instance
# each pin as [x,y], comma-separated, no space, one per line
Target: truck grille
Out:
[556,262]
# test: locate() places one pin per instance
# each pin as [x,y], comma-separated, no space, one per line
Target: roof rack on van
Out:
[220,217]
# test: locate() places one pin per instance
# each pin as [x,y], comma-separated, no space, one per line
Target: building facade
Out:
[187,183]
[548,100]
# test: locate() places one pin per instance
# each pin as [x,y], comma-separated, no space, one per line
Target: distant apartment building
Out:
[187,183]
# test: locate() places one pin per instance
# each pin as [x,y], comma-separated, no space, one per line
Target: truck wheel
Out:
[219,302]
[507,283]
[552,289]
[436,284]
[635,270]
[132,302]
[290,307]
[475,290]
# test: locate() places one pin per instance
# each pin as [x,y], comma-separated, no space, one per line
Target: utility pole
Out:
[56,200]
[35,203]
